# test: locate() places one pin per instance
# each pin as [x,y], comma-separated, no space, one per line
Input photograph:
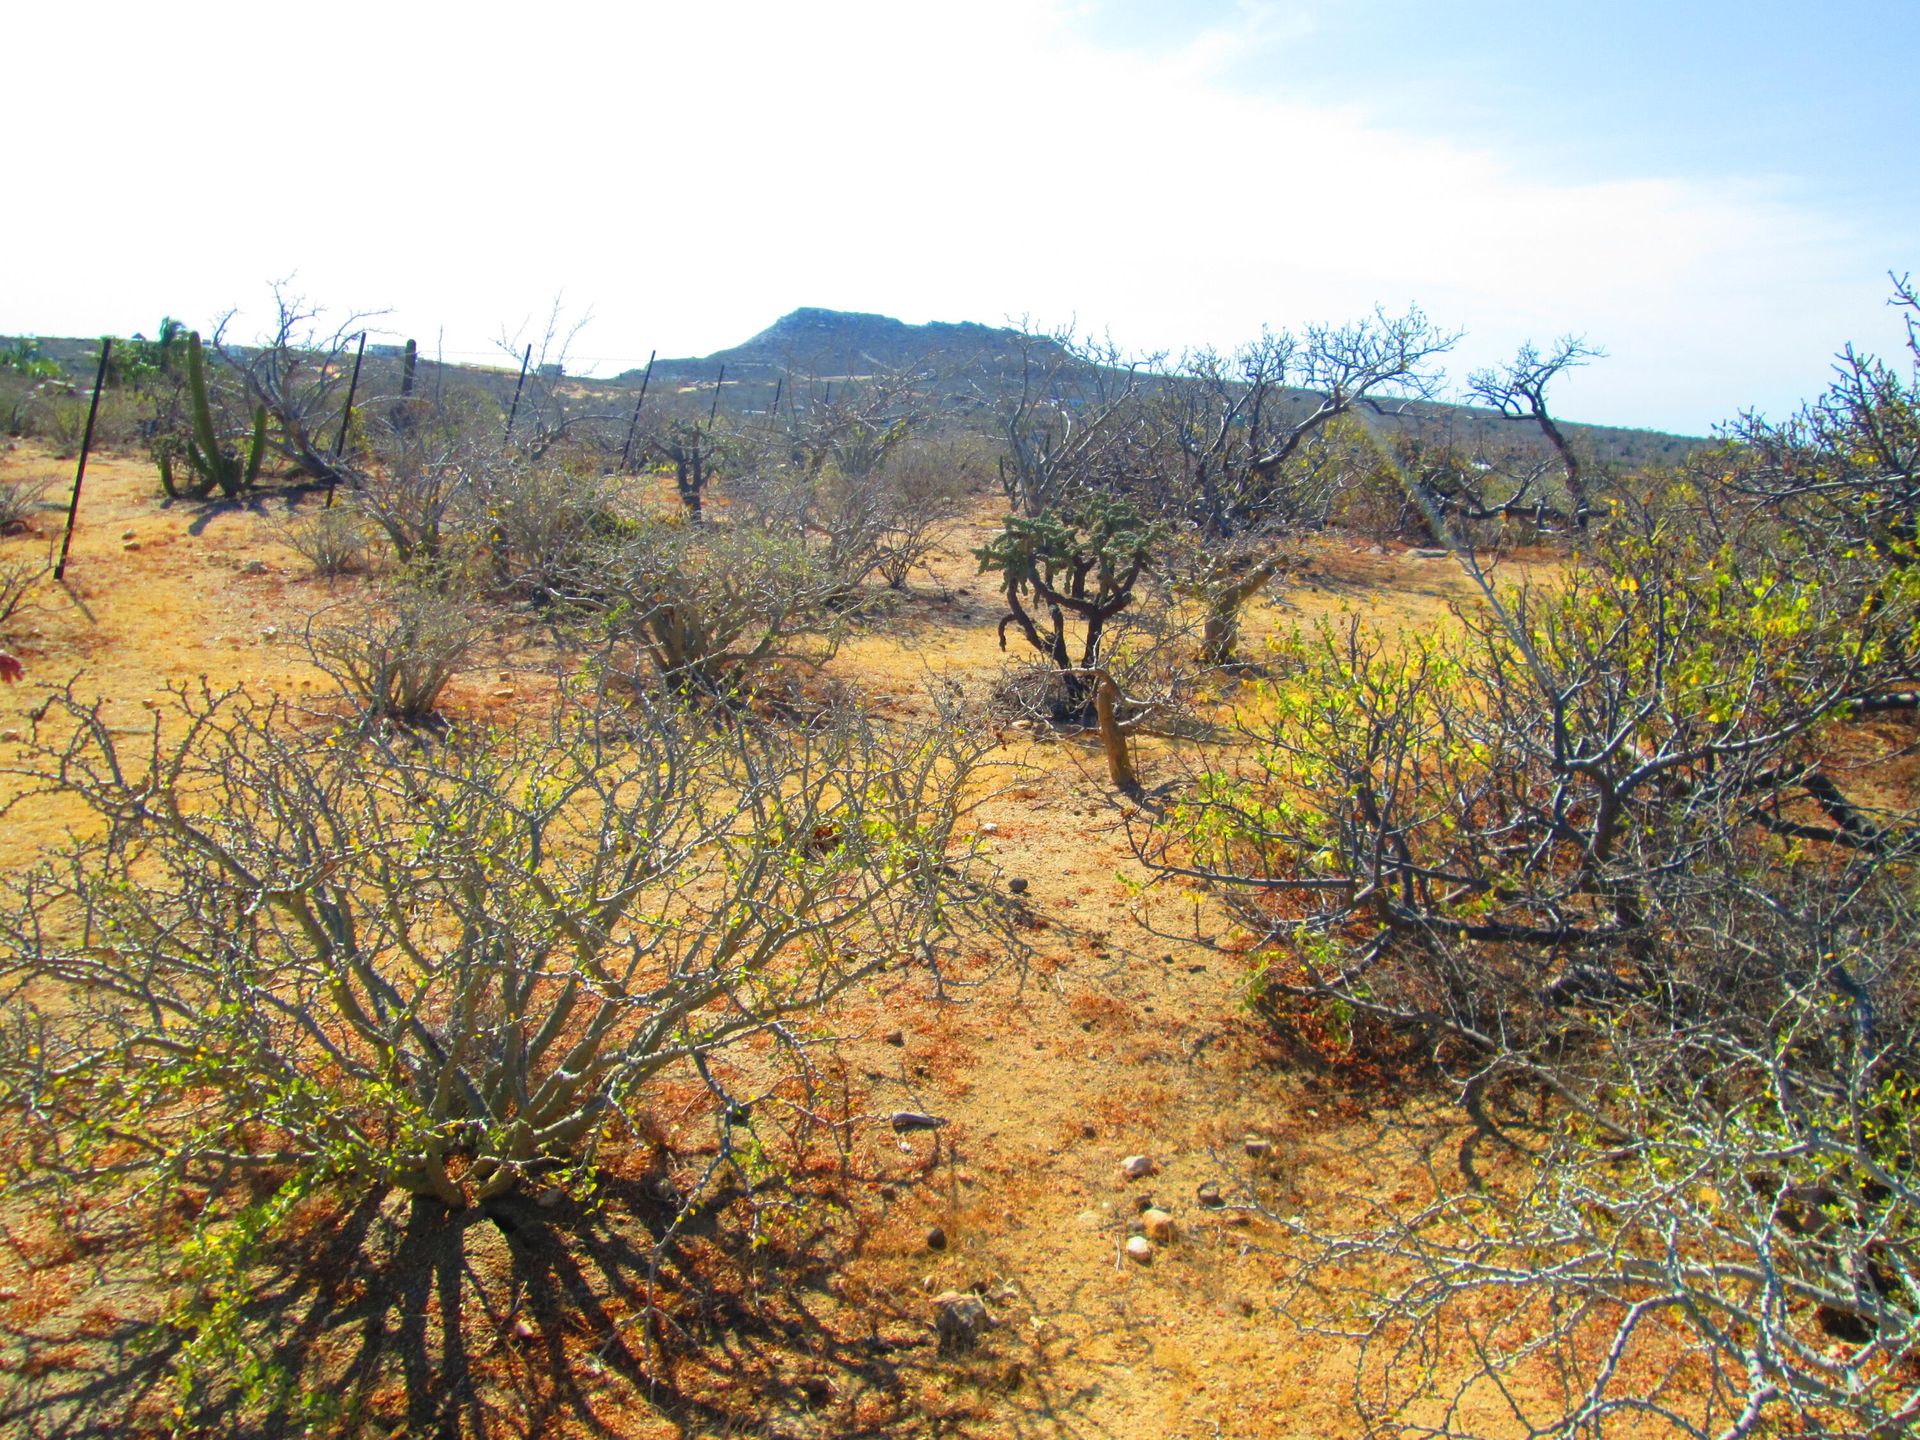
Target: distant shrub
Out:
[18,500]
[395,654]
[333,540]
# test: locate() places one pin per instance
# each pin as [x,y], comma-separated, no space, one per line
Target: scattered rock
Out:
[1158,1225]
[131,545]
[1088,1130]
[505,692]
[960,1319]
[1017,885]
[987,827]
[1142,1204]
[1209,1195]
[1426,553]
[905,1120]
[126,534]
[895,1037]
[936,1238]
[254,567]
[1258,1145]
[523,1328]
[1135,1167]
[1089,1219]
[1139,1249]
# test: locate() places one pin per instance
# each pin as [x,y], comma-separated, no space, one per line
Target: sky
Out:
[1713,193]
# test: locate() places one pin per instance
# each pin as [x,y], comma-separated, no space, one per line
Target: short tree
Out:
[1082,560]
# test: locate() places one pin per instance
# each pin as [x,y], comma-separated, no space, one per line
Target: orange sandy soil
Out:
[1110,1040]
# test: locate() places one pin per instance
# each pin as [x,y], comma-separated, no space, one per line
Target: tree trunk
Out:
[1112,737]
[1221,633]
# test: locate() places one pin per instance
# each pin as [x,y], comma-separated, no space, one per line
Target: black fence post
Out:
[86,444]
[633,425]
[525,360]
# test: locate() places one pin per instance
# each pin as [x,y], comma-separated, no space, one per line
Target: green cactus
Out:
[215,465]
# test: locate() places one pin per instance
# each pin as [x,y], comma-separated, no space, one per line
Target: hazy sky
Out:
[1711,191]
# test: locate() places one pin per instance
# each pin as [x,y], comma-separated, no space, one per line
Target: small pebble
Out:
[936,1238]
[1258,1145]
[1088,1130]
[895,1037]
[1142,1204]
[1209,1195]
[1159,1226]
[987,827]
[523,1328]
[1140,1248]
[1134,1167]
[1017,885]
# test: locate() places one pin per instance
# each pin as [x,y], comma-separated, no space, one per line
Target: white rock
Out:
[1139,1249]
[1135,1167]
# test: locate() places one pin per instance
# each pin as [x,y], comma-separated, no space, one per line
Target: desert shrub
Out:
[448,967]
[1595,849]
[710,609]
[539,523]
[394,653]
[19,578]
[332,539]
[19,499]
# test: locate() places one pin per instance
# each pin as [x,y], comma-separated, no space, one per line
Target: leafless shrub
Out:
[396,652]
[540,523]
[333,540]
[18,579]
[19,499]
[448,967]
[710,608]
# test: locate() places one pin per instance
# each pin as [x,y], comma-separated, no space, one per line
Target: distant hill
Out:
[966,369]
[971,370]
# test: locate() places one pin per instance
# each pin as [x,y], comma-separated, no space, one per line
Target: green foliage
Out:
[1082,558]
[24,356]
[139,362]
[1607,843]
